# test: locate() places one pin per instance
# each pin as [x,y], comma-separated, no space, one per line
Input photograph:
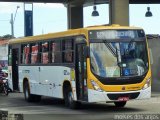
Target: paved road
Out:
[50,109]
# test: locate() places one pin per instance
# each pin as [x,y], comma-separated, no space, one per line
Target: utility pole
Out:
[12,22]
[12,25]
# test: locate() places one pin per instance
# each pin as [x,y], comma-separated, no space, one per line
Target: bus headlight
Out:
[147,84]
[96,86]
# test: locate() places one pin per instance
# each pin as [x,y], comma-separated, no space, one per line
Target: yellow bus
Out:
[92,64]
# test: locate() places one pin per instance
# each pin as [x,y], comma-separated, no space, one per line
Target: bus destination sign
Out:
[113,34]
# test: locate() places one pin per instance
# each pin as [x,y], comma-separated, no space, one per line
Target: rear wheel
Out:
[37,98]
[28,96]
[120,104]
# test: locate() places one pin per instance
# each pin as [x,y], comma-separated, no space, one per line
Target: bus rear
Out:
[118,66]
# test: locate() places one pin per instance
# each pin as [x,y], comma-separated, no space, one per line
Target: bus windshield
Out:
[119,58]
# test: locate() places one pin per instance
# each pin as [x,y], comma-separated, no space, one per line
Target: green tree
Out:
[8,36]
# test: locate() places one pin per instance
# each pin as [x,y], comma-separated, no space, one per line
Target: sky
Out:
[49,18]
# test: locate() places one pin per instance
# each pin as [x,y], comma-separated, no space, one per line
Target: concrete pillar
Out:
[75,17]
[119,12]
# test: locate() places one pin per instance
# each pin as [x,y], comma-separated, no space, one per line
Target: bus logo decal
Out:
[123,88]
[66,72]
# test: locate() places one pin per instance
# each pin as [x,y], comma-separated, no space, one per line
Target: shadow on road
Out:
[90,107]
[108,107]
[17,100]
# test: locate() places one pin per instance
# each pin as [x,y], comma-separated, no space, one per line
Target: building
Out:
[4,53]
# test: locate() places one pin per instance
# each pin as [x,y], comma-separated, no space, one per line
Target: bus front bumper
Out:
[97,96]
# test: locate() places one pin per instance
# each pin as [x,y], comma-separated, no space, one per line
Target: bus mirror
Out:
[86,51]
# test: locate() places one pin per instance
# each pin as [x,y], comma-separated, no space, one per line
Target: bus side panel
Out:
[31,73]
[46,80]
[46,77]
[52,78]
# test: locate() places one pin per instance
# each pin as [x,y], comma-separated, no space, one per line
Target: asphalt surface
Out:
[54,109]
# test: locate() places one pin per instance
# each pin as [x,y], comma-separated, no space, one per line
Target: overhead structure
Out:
[80,2]
[118,9]
[119,12]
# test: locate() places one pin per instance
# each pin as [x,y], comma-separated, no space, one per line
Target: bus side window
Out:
[25,54]
[56,52]
[68,51]
[45,53]
[34,54]
[53,51]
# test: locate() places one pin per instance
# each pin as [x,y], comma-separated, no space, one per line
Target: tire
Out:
[28,96]
[120,104]
[68,98]
[37,98]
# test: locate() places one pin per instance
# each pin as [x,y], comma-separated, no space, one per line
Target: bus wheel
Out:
[37,98]
[120,104]
[68,97]
[28,97]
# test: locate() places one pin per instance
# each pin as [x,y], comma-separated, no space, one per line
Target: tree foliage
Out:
[8,36]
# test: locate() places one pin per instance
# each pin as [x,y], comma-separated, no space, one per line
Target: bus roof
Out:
[70,32]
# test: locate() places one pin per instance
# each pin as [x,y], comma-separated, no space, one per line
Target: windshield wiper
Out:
[111,48]
[114,51]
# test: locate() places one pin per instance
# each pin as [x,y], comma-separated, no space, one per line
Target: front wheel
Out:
[68,97]
[120,104]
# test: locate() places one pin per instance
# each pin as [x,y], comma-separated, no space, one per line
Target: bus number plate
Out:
[123,98]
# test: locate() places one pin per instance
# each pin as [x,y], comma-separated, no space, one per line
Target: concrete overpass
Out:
[79,2]
[118,9]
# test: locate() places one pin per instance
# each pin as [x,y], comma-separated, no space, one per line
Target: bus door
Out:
[15,58]
[81,78]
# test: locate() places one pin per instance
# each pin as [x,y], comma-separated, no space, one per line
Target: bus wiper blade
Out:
[111,48]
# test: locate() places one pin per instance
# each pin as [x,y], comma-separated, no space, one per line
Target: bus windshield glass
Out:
[122,55]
